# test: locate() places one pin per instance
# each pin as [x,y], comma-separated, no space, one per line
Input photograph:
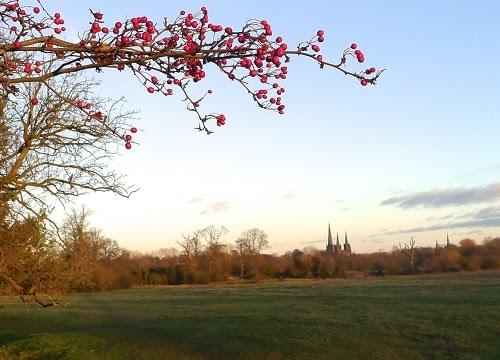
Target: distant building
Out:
[336,249]
[448,244]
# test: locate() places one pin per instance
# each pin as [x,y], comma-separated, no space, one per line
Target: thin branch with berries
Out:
[165,57]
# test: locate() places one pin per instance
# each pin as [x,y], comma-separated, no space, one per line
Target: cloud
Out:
[481,171]
[216,207]
[491,212]
[373,240]
[445,217]
[482,223]
[290,195]
[474,232]
[196,200]
[293,194]
[313,242]
[481,218]
[445,197]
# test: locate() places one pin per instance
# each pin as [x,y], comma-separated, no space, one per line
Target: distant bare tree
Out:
[249,244]
[166,252]
[253,241]
[191,244]
[409,252]
[310,250]
[212,236]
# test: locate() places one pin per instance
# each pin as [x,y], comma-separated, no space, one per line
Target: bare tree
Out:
[409,252]
[191,244]
[56,151]
[212,236]
[166,252]
[253,241]
[250,244]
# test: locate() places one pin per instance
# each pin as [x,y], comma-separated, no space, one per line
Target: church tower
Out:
[329,245]
[347,246]
[447,241]
[337,248]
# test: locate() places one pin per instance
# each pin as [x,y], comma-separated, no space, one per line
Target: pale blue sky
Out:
[432,122]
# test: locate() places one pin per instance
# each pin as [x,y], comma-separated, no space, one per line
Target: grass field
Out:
[425,317]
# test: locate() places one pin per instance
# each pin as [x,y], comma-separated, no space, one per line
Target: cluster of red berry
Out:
[128,138]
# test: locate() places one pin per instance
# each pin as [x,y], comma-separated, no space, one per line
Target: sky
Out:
[415,155]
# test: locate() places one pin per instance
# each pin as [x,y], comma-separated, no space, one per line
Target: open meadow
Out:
[454,316]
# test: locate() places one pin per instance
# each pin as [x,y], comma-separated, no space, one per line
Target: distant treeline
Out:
[223,265]
[32,263]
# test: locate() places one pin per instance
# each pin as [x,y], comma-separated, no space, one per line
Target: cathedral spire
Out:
[447,240]
[329,235]
[338,243]
[346,242]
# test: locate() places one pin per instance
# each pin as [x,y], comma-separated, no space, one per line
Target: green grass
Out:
[428,317]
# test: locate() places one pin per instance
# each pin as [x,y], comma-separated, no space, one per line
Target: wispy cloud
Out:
[289,196]
[313,242]
[196,200]
[474,232]
[444,217]
[491,212]
[216,207]
[490,169]
[481,223]
[482,218]
[446,197]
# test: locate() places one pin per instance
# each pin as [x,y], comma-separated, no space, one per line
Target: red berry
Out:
[364,82]
[320,33]
[128,138]
[315,48]
[17,44]
[36,10]
[133,130]
[128,145]
[154,80]
[354,46]
[34,101]
[151,90]
[221,120]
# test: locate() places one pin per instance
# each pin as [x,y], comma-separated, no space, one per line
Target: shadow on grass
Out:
[8,337]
